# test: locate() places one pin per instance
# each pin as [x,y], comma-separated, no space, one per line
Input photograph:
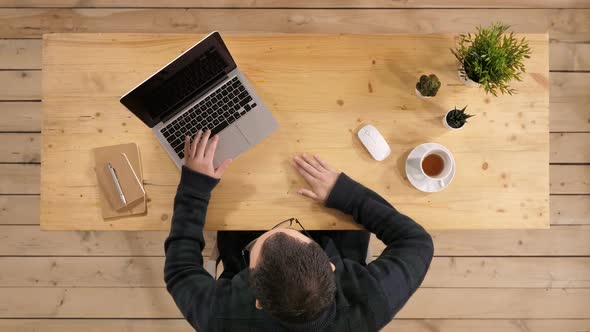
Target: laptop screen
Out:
[181,81]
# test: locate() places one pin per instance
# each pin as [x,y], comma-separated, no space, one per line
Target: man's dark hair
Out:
[293,280]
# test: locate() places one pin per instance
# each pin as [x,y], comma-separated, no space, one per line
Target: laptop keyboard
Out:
[217,111]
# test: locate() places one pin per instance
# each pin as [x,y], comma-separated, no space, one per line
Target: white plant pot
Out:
[421,96]
[465,79]
[446,124]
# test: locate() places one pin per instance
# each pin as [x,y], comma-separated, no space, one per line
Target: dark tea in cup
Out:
[433,165]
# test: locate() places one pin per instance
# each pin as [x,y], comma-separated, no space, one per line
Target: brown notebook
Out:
[125,160]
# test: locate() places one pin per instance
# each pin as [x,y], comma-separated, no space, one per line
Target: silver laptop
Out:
[202,89]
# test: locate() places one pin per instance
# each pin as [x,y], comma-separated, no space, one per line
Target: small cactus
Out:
[428,85]
[457,118]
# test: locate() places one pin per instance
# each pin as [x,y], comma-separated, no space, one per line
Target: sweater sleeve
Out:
[190,285]
[402,266]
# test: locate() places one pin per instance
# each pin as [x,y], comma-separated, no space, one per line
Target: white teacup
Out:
[448,164]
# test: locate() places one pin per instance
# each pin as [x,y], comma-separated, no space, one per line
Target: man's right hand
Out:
[198,156]
[318,174]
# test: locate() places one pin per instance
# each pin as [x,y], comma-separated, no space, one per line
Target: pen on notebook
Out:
[117,184]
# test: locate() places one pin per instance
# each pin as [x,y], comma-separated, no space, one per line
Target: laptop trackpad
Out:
[231,144]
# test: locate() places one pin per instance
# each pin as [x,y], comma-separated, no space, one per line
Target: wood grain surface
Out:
[563,250]
[398,325]
[20,148]
[346,81]
[19,209]
[470,303]
[459,272]
[570,179]
[564,25]
[31,241]
[20,85]
[569,102]
[20,54]
[20,117]
[570,209]
[346,4]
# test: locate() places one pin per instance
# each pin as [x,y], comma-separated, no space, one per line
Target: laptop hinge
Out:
[175,110]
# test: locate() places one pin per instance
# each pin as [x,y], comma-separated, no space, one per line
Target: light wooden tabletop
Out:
[321,89]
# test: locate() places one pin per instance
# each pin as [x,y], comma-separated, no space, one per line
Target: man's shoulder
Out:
[234,296]
[358,293]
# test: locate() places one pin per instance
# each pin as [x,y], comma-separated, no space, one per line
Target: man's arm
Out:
[401,267]
[190,285]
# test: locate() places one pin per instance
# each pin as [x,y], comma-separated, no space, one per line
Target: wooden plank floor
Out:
[529,280]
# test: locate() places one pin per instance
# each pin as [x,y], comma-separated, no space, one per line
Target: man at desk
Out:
[287,279]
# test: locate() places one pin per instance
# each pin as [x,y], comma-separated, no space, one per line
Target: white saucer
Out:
[415,176]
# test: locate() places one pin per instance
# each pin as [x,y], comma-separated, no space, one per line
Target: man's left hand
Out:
[318,174]
[198,156]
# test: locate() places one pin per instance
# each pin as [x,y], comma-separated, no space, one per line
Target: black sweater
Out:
[367,297]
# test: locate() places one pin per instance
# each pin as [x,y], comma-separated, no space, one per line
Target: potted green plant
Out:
[456,118]
[427,86]
[491,58]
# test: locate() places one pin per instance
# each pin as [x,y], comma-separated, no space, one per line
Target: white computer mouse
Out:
[374,142]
